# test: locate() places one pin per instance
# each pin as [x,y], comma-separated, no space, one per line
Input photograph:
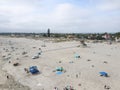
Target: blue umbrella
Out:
[103,74]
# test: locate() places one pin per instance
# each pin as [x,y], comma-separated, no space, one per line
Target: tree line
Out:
[92,36]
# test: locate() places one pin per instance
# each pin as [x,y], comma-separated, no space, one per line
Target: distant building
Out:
[48,32]
[106,36]
[12,35]
[37,36]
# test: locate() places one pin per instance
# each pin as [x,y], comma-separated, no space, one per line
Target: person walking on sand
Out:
[40,51]
[7,77]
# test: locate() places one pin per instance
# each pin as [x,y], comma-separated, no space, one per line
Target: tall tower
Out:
[48,32]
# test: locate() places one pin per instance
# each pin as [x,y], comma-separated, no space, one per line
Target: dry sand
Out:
[82,74]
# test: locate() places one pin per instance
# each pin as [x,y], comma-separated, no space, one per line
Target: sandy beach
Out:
[80,73]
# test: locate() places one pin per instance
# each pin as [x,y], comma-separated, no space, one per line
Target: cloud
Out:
[60,16]
[14,8]
[109,5]
[14,12]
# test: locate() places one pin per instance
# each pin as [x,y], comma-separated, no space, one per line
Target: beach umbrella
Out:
[103,74]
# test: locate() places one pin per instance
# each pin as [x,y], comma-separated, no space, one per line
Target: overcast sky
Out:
[72,16]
